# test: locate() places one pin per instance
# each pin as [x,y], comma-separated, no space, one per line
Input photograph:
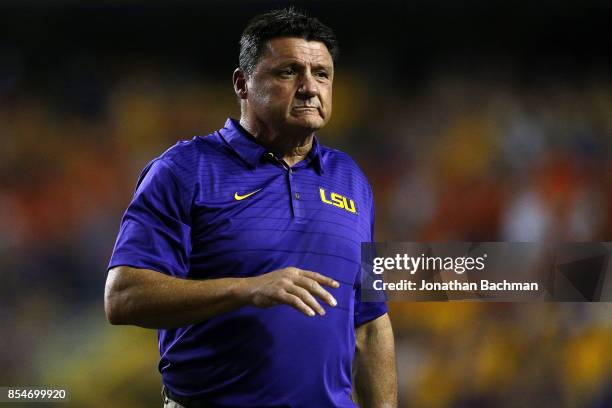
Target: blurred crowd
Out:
[455,158]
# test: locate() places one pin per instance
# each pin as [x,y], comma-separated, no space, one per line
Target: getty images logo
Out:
[404,262]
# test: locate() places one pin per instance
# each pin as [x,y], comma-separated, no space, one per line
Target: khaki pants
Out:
[168,403]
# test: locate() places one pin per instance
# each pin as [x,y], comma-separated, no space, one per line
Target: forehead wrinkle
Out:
[301,51]
[299,61]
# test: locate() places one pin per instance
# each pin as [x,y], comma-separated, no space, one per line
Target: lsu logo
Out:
[338,200]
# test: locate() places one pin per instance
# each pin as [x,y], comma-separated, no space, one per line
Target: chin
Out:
[308,123]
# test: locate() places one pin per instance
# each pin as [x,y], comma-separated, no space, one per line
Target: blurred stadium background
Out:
[476,120]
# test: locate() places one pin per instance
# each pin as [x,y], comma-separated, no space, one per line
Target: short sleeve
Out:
[155,231]
[367,311]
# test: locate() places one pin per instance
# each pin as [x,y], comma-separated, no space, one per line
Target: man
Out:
[243,247]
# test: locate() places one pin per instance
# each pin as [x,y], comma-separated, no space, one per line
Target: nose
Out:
[308,86]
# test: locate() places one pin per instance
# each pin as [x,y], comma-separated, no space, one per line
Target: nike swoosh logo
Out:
[242,197]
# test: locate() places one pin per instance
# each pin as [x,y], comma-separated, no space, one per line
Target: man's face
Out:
[291,86]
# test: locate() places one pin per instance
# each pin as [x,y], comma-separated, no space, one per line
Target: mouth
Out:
[305,109]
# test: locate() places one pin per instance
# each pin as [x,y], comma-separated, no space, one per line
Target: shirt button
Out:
[297,196]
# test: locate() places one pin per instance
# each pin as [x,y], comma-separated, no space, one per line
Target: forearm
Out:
[374,372]
[147,298]
[151,299]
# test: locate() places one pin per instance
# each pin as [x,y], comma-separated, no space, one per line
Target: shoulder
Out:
[193,160]
[181,166]
[339,162]
[187,155]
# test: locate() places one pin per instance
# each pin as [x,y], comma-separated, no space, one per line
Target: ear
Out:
[240,83]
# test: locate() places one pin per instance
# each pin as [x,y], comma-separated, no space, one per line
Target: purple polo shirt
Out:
[223,206]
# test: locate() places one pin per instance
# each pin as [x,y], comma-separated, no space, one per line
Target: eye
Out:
[286,72]
[322,74]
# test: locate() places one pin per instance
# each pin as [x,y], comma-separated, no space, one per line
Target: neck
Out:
[292,147]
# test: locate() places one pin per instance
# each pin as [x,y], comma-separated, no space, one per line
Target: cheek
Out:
[261,96]
[273,96]
[327,98]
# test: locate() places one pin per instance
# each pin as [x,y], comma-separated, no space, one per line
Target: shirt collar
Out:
[251,152]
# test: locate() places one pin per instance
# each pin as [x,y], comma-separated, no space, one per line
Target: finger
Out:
[315,288]
[296,302]
[307,298]
[322,279]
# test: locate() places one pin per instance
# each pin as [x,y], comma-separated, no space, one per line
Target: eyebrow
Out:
[292,62]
